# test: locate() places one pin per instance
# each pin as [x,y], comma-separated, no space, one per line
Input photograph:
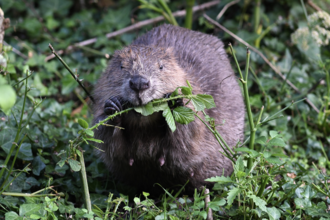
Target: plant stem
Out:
[189,13]
[108,206]
[257,16]
[17,136]
[30,195]
[85,182]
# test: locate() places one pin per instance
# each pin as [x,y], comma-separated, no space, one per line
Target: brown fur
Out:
[135,155]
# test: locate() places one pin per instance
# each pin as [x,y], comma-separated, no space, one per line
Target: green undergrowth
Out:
[49,170]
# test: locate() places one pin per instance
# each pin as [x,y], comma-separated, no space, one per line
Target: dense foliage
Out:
[45,115]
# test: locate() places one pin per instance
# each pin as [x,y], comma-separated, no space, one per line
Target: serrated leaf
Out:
[74,165]
[82,123]
[276,142]
[183,115]
[208,100]
[198,103]
[220,179]
[239,165]
[145,110]
[259,202]
[232,195]
[160,106]
[167,114]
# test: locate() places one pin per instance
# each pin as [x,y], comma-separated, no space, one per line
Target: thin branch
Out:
[71,72]
[136,26]
[313,5]
[226,7]
[262,56]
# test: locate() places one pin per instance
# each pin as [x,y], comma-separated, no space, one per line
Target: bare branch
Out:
[276,70]
[226,7]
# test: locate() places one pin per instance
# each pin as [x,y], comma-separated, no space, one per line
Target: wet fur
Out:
[191,152]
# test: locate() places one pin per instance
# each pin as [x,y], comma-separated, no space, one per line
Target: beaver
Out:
[146,151]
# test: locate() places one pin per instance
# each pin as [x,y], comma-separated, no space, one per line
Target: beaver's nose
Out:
[139,83]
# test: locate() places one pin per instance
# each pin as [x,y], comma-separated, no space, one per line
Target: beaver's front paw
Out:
[177,102]
[111,106]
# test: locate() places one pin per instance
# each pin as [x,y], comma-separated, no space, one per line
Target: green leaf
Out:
[220,179]
[89,132]
[261,140]
[215,205]
[276,142]
[186,90]
[232,195]
[12,216]
[37,165]
[273,213]
[7,98]
[239,165]
[208,100]
[74,165]
[183,115]
[198,103]
[253,153]
[274,160]
[273,134]
[83,123]
[167,114]
[145,110]
[94,140]
[259,202]
[25,152]
[160,106]
[29,209]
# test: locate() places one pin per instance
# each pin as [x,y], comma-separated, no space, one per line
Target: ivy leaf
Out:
[273,213]
[74,165]
[183,115]
[145,110]
[232,195]
[167,114]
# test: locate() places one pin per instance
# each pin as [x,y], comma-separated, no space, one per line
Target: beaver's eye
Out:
[161,67]
[121,66]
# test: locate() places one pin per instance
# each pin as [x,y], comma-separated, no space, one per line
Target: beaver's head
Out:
[140,74]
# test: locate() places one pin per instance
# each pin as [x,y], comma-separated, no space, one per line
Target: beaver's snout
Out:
[139,83]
